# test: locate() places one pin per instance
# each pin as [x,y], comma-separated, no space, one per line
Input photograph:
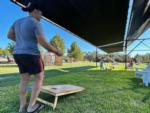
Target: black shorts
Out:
[31,64]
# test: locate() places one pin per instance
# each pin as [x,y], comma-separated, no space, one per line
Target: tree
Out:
[6,52]
[10,47]
[58,42]
[142,58]
[1,51]
[75,52]
[91,56]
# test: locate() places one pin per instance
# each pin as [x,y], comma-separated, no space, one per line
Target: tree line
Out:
[74,53]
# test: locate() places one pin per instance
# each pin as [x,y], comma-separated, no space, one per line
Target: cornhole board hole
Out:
[58,90]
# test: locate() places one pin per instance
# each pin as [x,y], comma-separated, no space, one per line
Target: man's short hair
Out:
[31,6]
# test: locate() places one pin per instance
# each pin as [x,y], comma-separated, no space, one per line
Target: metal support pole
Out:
[125,54]
[96,57]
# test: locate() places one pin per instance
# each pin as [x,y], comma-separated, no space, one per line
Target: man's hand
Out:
[49,47]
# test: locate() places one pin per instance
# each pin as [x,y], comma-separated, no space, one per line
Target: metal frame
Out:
[141,42]
[126,53]
[126,45]
[96,57]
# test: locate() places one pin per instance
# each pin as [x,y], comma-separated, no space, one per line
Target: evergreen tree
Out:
[10,47]
[75,52]
[1,51]
[58,42]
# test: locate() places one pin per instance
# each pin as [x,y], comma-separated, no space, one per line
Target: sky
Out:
[10,12]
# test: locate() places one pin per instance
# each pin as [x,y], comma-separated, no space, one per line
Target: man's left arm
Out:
[11,34]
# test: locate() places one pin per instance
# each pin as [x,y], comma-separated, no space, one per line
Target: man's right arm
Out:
[11,34]
[42,41]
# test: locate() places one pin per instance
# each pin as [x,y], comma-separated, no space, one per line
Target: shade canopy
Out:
[139,20]
[98,22]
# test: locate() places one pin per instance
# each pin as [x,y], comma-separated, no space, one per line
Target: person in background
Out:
[101,62]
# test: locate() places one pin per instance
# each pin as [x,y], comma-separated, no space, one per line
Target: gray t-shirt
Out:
[26,31]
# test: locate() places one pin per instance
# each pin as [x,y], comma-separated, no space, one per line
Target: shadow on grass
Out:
[139,84]
[96,83]
[62,71]
[13,79]
[133,83]
[146,97]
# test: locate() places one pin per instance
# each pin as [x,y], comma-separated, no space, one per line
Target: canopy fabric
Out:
[99,22]
[139,20]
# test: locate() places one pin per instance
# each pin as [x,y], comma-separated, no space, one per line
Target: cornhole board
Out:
[58,90]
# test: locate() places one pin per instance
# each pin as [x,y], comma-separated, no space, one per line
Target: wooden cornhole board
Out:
[58,90]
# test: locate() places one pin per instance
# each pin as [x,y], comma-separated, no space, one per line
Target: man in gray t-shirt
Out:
[27,30]
[27,33]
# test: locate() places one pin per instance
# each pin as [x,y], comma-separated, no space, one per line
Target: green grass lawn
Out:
[116,91]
